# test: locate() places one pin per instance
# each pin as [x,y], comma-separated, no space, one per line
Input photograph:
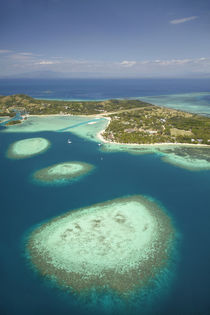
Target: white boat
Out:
[92,123]
[69,141]
[99,144]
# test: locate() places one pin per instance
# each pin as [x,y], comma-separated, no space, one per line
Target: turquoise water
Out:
[181,288]
[185,195]
[198,103]
[7,120]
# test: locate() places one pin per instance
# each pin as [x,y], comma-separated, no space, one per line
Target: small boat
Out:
[92,123]
[69,141]
[99,144]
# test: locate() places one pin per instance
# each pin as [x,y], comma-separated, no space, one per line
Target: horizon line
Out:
[102,78]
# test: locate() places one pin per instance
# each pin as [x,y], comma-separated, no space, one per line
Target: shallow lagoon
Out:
[192,158]
[83,127]
[192,102]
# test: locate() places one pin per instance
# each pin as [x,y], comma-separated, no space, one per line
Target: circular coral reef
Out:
[62,173]
[27,147]
[120,245]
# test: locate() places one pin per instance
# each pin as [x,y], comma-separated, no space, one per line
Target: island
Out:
[131,121]
[122,245]
[154,124]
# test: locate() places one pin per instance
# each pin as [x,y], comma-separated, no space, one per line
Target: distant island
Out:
[131,121]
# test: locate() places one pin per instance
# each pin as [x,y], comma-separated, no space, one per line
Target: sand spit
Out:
[120,245]
[27,147]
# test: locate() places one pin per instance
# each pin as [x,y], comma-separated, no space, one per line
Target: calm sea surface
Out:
[92,89]
[184,194]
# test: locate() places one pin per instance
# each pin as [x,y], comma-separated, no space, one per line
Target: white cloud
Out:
[47,62]
[19,62]
[172,62]
[183,20]
[203,59]
[127,63]
[5,51]
[25,54]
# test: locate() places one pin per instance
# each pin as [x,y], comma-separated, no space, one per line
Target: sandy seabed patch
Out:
[120,245]
[27,147]
[62,173]
[189,163]
[189,158]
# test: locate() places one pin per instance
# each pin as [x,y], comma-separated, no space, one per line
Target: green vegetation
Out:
[158,125]
[132,121]
[13,122]
[24,103]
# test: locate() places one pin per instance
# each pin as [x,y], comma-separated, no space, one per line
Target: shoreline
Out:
[100,137]
[66,115]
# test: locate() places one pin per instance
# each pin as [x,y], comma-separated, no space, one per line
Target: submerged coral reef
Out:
[62,173]
[120,245]
[27,147]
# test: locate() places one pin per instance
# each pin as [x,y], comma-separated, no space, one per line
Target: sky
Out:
[105,38]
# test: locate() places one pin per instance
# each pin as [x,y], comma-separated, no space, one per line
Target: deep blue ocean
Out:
[96,89]
[184,194]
